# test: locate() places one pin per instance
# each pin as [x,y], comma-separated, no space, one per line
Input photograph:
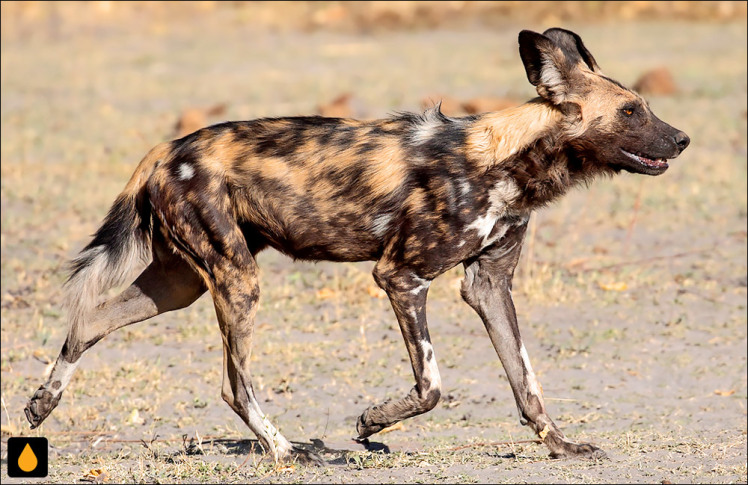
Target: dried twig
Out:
[251,452]
[649,260]
[495,443]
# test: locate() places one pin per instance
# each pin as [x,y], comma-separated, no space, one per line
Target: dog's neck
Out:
[527,144]
[496,137]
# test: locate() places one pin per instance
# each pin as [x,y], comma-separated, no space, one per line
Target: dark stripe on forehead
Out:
[615,82]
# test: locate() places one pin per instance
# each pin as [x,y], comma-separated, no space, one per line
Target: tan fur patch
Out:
[386,171]
[603,101]
[160,153]
[218,152]
[277,168]
[415,201]
[497,136]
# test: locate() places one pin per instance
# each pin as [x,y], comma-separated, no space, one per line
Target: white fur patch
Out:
[430,369]
[83,289]
[484,225]
[549,75]
[98,274]
[63,372]
[531,380]
[500,197]
[381,224]
[425,130]
[423,285]
[551,79]
[186,171]
[414,314]
[264,429]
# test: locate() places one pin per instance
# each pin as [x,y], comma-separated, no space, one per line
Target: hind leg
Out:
[168,283]
[236,293]
[209,236]
[235,296]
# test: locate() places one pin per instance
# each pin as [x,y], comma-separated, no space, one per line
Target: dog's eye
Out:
[628,111]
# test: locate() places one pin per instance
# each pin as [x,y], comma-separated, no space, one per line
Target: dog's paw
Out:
[567,449]
[302,455]
[365,426]
[40,406]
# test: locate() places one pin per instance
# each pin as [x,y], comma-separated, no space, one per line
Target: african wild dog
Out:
[418,194]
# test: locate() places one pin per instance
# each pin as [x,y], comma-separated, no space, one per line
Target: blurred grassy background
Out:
[22,20]
[631,293]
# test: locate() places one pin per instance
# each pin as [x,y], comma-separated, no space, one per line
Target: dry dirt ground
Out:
[631,294]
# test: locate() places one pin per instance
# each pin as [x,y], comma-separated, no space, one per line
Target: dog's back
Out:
[323,188]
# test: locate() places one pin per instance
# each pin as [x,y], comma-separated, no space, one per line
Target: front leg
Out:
[487,289]
[407,293]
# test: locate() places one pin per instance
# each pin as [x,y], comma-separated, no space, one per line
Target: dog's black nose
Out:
[682,140]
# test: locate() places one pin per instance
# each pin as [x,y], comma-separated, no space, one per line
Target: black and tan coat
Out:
[418,194]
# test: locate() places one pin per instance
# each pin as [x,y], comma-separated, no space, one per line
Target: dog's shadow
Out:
[329,455]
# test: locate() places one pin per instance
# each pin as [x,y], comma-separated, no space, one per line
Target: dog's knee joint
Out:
[431,399]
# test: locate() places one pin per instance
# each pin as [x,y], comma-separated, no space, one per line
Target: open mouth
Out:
[656,163]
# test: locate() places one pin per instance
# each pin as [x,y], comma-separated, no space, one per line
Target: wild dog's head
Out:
[608,123]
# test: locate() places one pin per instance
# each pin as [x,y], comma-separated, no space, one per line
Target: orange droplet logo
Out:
[27,460]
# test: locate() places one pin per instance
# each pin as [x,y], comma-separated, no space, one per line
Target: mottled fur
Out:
[418,194]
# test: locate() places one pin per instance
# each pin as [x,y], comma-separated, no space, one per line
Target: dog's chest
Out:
[493,218]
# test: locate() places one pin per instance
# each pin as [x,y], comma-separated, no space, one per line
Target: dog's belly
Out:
[314,236]
[330,246]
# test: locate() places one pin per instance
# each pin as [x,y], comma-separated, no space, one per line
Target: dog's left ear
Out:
[573,47]
[547,67]
[554,63]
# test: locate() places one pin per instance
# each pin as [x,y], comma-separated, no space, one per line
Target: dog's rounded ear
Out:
[546,66]
[573,47]
[530,54]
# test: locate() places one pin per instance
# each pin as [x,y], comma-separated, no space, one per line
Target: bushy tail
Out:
[120,245]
